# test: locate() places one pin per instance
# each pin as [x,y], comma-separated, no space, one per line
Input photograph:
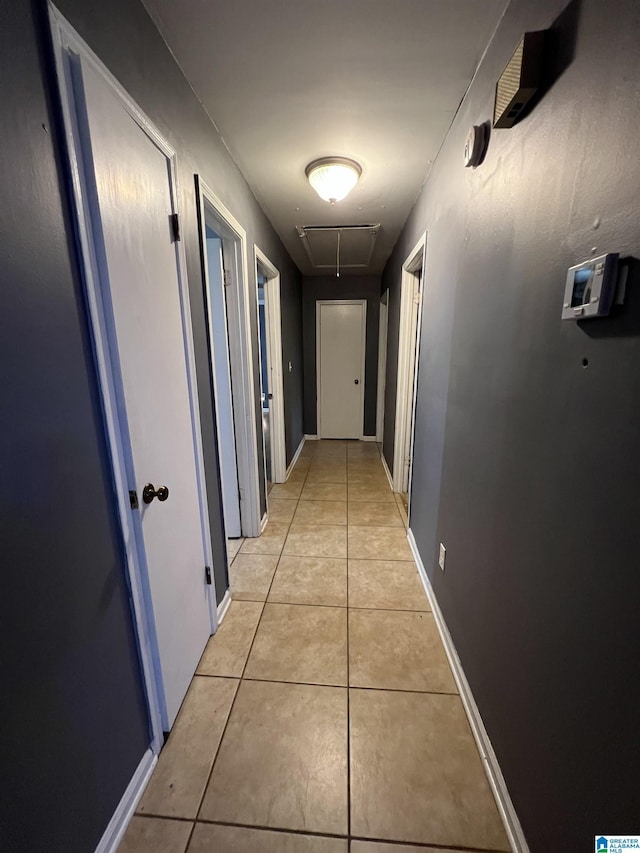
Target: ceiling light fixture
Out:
[333,178]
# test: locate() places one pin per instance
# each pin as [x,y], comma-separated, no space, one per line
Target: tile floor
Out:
[323,717]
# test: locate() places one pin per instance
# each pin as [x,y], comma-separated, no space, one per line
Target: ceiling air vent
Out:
[520,80]
[339,246]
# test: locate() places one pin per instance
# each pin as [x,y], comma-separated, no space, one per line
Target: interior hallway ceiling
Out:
[288,81]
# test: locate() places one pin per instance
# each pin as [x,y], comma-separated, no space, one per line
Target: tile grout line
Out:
[316,834]
[427,845]
[240,680]
[341,686]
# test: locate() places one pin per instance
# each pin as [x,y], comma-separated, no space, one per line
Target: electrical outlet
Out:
[442,557]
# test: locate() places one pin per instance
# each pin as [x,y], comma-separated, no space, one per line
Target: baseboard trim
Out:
[296,456]
[112,835]
[223,607]
[263,523]
[368,438]
[387,471]
[492,768]
[312,438]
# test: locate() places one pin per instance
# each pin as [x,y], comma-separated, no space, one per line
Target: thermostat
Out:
[590,288]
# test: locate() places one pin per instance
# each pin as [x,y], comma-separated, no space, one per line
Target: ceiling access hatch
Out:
[339,246]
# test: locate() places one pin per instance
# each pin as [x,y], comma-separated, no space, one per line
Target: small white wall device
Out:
[590,288]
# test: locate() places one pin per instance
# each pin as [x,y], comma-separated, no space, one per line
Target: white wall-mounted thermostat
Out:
[590,288]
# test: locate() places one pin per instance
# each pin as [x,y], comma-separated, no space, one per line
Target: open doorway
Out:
[382,365]
[271,378]
[408,354]
[224,258]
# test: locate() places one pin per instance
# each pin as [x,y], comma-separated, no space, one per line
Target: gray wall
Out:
[526,463]
[315,288]
[74,717]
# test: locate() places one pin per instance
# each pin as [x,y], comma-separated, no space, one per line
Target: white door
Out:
[341,336]
[130,193]
[222,386]
[382,368]
[412,379]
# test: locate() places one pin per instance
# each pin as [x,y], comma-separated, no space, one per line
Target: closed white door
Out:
[130,190]
[341,336]
[222,386]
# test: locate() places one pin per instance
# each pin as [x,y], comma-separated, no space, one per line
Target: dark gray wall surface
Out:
[315,288]
[75,721]
[526,463]
[74,718]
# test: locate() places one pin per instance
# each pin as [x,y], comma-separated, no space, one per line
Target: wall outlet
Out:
[442,557]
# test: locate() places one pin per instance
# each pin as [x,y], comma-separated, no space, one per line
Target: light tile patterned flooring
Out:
[323,717]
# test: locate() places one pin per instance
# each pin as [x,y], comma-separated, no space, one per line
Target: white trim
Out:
[241,356]
[368,438]
[319,304]
[117,826]
[263,523]
[382,364]
[296,456]
[68,49]
[386,470]
[487,754]
[223,607]
[408,355]
[312,438]
[274,356]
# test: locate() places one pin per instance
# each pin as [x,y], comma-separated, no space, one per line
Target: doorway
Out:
[382,365]
[221,370]
[225,270]
[271,373]
[408,355]
[124,185]
[341,328]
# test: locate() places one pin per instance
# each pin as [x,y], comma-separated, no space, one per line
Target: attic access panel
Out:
[339,246]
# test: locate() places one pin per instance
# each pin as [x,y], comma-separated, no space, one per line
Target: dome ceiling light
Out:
[333,178]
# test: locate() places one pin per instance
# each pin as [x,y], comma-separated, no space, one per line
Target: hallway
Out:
[270,738]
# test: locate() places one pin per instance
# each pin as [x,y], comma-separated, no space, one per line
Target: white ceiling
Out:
[287,81]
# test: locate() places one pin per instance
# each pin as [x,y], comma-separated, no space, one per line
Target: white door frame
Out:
[382,364]
[273,318]
[68,48]
[408,357]
[319,304]
[240,354]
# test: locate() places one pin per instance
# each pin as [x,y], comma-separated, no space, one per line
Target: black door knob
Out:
[149,493]
[356,381]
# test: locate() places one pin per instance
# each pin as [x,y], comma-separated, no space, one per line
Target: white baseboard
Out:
[112,835]
[368,438]
[387,471]
[223,607]
[263,523]
[312,438]
[489,760]
[296,456]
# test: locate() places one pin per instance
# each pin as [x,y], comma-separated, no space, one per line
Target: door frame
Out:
[273,323]
[408,358]
[67,44]
[319,304]
[382,364]
[240,354]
